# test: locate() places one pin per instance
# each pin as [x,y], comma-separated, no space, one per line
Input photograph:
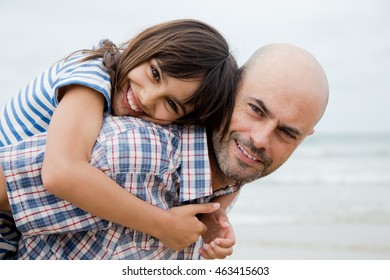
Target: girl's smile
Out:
[130,100]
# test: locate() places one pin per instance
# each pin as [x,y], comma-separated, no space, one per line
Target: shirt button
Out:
[151,241]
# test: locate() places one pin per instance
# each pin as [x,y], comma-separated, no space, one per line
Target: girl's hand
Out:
[183,227]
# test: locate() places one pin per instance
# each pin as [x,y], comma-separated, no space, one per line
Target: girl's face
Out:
[151,95]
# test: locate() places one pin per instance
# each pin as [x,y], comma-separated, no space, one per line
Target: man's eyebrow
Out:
[292,130]
[262,105]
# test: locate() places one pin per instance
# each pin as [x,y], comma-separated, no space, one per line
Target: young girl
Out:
[176,71]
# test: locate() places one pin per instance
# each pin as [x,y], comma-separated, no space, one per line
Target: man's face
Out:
[272,116]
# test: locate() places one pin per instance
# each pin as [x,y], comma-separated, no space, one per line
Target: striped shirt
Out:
[164,166]
[29,112]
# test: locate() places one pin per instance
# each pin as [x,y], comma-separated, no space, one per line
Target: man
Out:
[283,95]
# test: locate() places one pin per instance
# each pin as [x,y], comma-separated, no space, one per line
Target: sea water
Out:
[330,200]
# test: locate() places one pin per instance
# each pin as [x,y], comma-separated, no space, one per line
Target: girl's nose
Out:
[150,98]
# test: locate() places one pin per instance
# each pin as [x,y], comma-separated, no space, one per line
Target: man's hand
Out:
[183,227]
[219,238]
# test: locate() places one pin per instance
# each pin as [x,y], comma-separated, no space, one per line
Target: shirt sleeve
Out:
[90,73]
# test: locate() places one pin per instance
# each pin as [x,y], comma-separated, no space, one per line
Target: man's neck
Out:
[218,179]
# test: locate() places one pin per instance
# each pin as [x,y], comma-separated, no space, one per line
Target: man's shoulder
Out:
[133,144]
[116,125]
[127,130]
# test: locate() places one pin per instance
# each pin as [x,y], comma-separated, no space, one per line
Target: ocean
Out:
[330,200]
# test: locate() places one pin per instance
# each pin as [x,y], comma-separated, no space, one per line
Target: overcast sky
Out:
[350,38]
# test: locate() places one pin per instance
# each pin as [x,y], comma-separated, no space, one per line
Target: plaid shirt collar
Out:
[195,164]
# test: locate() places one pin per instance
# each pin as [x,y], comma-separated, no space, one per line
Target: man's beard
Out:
[237,171]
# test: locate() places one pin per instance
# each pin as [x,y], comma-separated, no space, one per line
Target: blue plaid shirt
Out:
[164,166]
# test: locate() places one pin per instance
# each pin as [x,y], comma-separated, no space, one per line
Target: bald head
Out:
[293,69]
[282,96]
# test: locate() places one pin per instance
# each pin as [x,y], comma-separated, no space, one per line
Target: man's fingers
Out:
[224,243]
[204,253]
[213,251]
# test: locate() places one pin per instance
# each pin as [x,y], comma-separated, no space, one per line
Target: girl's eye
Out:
[155,74]
[172,104]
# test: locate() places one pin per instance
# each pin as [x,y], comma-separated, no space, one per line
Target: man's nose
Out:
[261,135]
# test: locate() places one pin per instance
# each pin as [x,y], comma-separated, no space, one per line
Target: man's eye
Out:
[172,104]
[256,109]
[289,134]
[155,74]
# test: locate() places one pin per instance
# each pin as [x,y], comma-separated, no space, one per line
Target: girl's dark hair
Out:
[185,49]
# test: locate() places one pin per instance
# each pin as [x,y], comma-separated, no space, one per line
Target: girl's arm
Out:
[67,173]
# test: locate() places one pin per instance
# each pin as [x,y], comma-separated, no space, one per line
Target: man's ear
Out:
[311,132]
